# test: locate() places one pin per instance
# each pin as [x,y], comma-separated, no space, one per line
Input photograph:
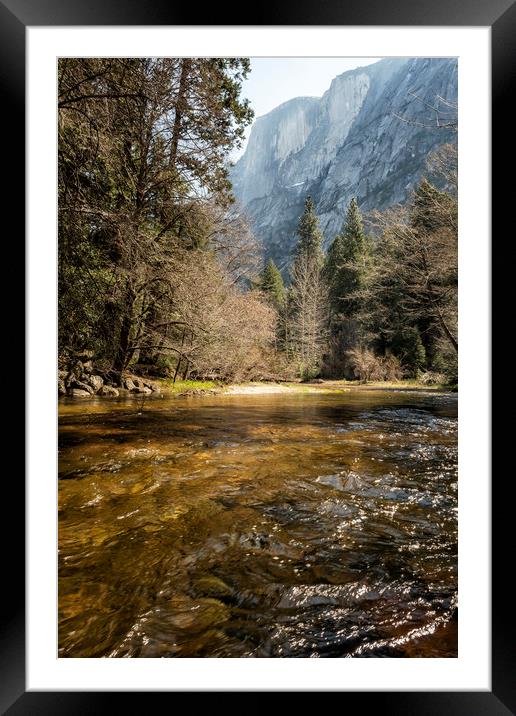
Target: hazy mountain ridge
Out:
[350,142]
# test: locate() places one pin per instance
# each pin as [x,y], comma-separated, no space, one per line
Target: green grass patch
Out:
[187,386]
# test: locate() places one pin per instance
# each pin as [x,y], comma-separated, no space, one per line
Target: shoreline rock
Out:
[79,393]
[77,376]
[109,390]
[81,379]
[96,382]
[81,385]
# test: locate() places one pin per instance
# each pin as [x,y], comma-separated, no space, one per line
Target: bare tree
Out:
[142,180]
[443,165]
[441,113]
[308,311]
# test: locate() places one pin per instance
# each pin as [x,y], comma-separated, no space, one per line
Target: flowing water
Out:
[287,525]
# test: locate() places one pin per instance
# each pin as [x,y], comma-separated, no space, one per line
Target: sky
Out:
[274,80]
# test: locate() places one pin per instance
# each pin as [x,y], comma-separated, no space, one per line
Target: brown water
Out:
[290,525]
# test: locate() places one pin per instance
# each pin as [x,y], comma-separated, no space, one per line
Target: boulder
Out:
[109,390]
[143,390]
[138,382]
[128,383]
[88,366]
[79,393]
[79,384]
[96,382]
[153,386]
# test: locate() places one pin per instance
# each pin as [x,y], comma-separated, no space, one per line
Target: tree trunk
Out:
[124,350]
[179,110]
[122,354]
[449,335]
[180,355]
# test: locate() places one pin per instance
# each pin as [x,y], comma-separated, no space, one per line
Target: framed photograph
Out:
[263,484]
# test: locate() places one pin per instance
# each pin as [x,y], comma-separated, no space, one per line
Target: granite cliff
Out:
[368,136]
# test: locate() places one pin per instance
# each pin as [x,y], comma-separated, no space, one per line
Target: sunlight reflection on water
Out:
[259,526]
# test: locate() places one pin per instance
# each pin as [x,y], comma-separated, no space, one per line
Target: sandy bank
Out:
[328,386]
[260,389]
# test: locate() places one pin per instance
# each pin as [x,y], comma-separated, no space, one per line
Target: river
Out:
[284,525]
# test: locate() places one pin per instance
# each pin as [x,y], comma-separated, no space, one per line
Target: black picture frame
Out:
[15,16]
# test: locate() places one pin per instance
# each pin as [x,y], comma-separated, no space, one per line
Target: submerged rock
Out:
[331,481]
[344,481]
[210,586]
[197,614]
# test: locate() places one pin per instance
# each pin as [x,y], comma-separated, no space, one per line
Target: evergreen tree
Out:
[333,269]
[412,291]
[346,263]
[310,235]
[345,272]
[271,283]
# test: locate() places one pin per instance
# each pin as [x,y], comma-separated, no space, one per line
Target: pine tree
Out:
[310,235]
[346,263]
[412,291]
[271,283]
[333,268]
[345,271]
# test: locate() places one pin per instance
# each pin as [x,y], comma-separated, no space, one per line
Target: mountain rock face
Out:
[368,136]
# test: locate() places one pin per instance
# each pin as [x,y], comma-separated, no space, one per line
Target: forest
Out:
[159,271]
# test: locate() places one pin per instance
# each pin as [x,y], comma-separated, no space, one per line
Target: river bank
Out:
[192,387]
[330,386]
[164,387]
